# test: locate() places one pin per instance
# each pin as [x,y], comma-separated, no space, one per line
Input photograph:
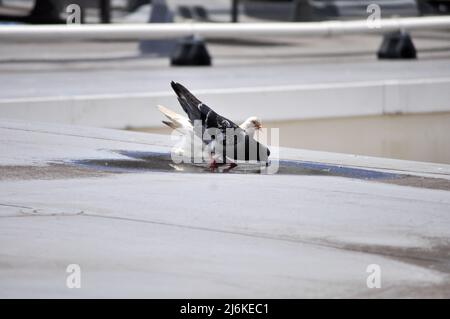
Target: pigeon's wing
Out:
[250,150]
[196,110]
[177,121]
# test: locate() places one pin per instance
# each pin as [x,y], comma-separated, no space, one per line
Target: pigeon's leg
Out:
[213,166]
[212,162]
[232,165]
[229,168]
[212,156]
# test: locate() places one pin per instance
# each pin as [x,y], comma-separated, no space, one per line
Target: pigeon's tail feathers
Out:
[188,101]
[197,111]
[191,110]
[184,93]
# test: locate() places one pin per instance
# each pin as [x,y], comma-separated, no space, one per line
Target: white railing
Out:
[216,30]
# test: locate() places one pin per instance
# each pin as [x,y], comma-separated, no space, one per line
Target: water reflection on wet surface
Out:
[142,162]
[152,161]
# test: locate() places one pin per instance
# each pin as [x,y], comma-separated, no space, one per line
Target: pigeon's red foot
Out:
[213,165]
[232,165]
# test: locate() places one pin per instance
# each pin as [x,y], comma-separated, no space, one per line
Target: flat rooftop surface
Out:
[111,202]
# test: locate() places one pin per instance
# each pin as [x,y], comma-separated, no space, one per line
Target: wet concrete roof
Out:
[111,202]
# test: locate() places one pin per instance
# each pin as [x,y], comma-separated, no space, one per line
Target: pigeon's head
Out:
[251,125]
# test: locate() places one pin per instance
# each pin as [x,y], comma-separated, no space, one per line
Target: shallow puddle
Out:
[152,161]
[141,162]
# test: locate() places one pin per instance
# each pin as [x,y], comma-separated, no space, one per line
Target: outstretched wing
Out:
[176,121]
[196,110]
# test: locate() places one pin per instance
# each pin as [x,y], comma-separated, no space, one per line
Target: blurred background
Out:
[330,93]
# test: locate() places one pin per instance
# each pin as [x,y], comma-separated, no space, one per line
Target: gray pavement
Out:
[89,68]
[139,232]
[129,81]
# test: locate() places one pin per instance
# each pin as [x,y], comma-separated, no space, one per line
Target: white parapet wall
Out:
[272,103]
[76,32]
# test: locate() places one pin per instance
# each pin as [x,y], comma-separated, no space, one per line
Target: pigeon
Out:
[182,125]
[223,139]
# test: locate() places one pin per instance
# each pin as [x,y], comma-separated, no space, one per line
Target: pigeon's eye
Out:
[256,124]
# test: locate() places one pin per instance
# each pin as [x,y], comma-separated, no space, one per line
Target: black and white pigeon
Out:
[224,139]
